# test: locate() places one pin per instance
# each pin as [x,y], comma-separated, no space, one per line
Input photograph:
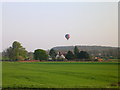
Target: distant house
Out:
[60,56]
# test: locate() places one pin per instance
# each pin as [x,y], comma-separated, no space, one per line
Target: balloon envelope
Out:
[67,36]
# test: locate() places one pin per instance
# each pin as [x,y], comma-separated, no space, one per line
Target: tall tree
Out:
[40,54]
[70,55]
[16,52]
[76,52]
[52,53]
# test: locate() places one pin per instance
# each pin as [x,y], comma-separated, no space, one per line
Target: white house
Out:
[60,56]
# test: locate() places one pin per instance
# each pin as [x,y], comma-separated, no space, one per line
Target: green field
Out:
[60,75]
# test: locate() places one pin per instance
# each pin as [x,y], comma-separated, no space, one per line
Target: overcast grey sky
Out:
[43,25]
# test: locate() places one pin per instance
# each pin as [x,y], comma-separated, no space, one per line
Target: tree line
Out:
[76,55]
[18,52]
[94,51]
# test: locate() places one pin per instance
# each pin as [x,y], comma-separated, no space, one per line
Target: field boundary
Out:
[117,63]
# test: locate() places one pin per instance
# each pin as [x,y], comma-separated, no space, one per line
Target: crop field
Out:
[60,75]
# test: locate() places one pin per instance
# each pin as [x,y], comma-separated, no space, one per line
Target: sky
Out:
[43,25]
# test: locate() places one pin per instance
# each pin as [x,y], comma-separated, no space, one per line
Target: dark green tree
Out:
[83,55]
[76,52]
[40,54]
[70,55]
[9,52]
[6,54]
[52,53]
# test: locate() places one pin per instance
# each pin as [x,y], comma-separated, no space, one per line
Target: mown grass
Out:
[59,74]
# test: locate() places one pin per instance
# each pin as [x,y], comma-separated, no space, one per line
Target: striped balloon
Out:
[67,36]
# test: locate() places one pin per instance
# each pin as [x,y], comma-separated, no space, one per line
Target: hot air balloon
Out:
[67,36]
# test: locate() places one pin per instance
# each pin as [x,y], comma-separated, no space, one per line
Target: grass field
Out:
[60,75]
